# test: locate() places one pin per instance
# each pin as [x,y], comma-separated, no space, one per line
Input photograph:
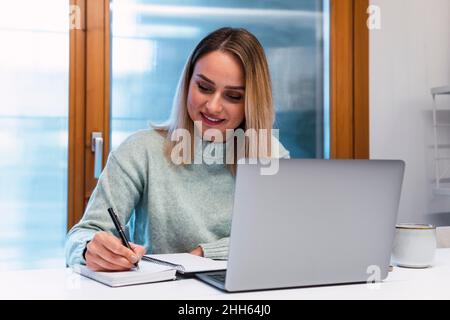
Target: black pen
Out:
[120,231]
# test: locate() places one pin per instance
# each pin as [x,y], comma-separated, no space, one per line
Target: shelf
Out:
[443,190]
[440,146]
[441,167]
[440,90]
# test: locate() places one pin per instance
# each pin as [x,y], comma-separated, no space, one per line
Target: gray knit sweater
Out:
[165,208]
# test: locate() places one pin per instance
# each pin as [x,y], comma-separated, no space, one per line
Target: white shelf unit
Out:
[442,164]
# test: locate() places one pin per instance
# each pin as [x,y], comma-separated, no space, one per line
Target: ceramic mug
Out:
[414,245]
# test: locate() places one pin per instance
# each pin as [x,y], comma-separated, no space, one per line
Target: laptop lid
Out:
[314,222]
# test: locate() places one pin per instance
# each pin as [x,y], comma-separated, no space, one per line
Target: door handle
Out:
[97,149]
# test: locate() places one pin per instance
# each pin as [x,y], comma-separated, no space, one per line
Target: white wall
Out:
[409,55]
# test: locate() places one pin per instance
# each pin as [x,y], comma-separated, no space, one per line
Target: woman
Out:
[171,207]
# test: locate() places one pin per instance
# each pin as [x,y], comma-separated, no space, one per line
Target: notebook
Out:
[186,263]
[148,272]
[155,268]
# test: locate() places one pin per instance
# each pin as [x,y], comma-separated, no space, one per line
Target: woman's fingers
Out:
[197,251]
[115,245]
[113,258]
[106,253]
[96,263]
[139,250]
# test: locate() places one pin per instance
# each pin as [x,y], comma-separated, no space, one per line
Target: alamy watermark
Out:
[374,279]
[374,20]
[75,17]
[229,149]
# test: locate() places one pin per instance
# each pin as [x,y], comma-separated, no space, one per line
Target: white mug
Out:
[414,246]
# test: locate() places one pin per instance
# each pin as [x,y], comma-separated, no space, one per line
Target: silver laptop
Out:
[315,222]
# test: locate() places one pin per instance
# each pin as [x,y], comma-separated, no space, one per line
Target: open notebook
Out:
[186,263]
[155,268]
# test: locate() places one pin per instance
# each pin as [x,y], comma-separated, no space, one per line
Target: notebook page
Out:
[192,263]
[144,269]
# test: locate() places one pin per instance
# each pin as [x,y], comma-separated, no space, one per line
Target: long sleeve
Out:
[217,250]
[164,207]
[120,186]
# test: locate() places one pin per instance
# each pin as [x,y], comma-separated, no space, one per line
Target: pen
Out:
[119,228]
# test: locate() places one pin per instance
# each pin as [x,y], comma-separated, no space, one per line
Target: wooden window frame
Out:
[89,96]
[349,80]
[89,106]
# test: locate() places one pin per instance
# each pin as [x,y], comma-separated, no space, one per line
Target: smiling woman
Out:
[170,207]
[148,42]
[226,88]
[225,85]
[217,103]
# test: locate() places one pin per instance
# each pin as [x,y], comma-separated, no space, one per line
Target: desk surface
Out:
[432,283]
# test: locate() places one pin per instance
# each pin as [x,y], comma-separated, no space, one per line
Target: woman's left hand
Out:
[197,251]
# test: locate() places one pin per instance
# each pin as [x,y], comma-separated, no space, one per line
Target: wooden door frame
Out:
[77,109]
[349,79]
[90,90]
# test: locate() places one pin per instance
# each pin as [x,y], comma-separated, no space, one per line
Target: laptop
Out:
[314,223]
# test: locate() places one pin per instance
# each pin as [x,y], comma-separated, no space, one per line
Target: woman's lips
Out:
[211,121]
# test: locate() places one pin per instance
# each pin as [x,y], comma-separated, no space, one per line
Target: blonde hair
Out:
[258,87]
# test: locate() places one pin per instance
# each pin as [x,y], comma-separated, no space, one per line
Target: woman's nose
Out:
[214,106]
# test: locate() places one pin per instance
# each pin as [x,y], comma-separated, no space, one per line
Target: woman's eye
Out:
[234,98]
[203,88]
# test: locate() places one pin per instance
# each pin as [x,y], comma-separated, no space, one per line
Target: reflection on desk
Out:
[432,283]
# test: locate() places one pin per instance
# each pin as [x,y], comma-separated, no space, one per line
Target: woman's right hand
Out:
[105,252]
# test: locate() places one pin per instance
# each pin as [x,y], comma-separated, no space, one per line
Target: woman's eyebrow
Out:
[212,82]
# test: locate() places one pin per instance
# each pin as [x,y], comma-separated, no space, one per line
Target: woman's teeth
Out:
[212,119]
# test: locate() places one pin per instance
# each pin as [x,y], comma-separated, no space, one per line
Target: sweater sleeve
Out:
[217,250]
[120,186]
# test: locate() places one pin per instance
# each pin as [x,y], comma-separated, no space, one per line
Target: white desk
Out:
[432,283]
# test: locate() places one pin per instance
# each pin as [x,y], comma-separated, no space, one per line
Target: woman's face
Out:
[217,92]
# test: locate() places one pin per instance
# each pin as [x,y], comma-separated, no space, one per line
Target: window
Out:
[151,41]
[34,73]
